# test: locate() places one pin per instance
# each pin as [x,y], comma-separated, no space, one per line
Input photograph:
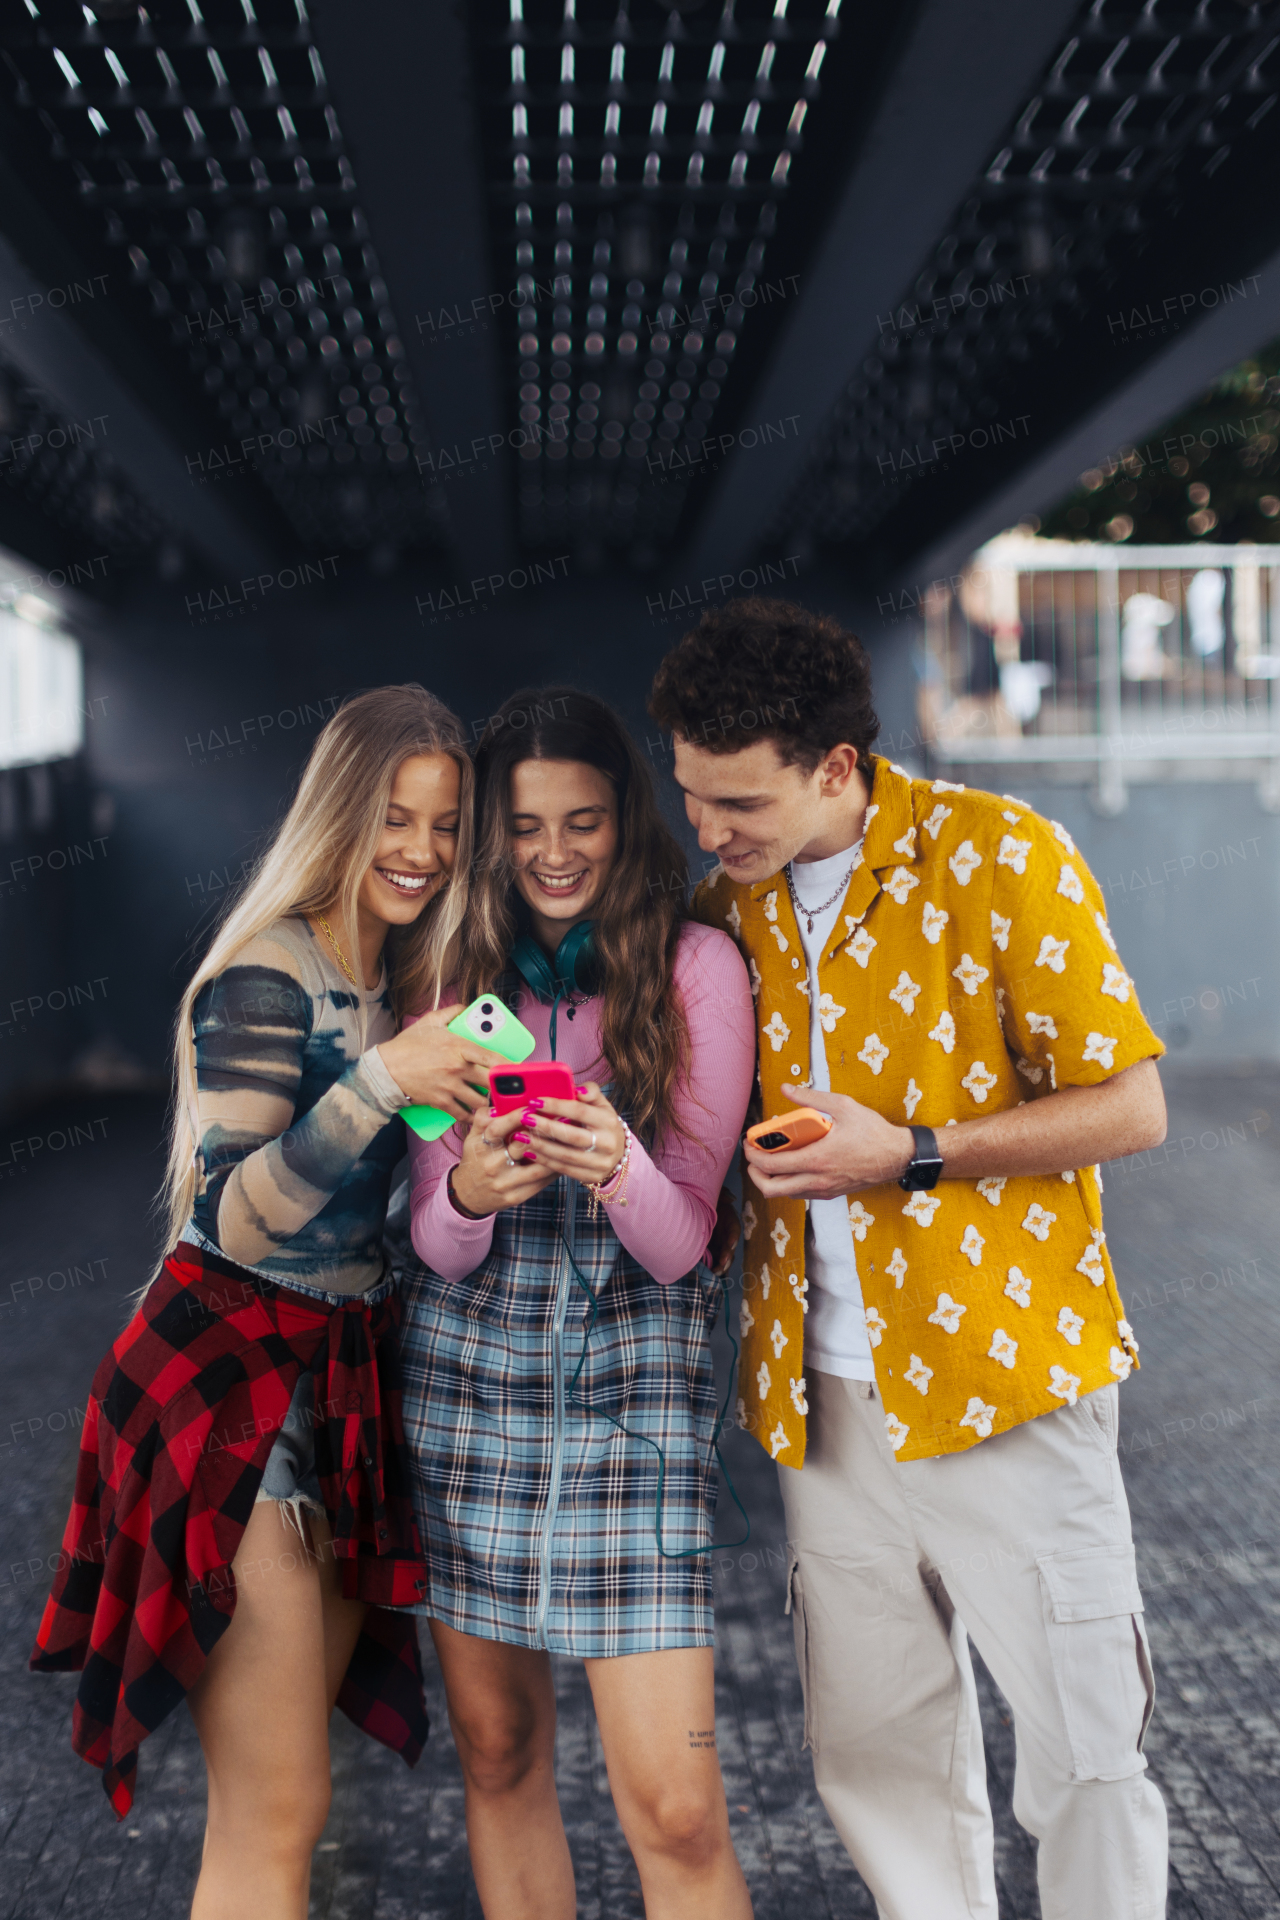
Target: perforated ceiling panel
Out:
[639,161]
[1152,129]
[202,135]
[655,176]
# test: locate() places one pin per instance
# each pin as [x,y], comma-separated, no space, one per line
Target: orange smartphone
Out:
[799,1128]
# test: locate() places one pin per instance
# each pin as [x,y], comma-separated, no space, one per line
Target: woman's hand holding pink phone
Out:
[582,1137]
[509,1156]
[496,1169]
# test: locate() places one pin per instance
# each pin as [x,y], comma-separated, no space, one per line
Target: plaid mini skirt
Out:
[559,1406]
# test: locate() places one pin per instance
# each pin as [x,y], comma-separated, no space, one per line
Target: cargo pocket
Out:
[800,1627]
[1101,1660]
[1101,1411]
[1148,1673]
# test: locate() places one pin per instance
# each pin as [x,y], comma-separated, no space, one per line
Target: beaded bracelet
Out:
[617,1180]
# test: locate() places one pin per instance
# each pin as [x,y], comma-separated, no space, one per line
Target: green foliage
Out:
[1212,474]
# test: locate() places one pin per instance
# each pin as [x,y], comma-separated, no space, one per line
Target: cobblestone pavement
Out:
[1195,1230]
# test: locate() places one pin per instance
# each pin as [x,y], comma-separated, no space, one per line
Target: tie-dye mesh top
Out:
[298,1125]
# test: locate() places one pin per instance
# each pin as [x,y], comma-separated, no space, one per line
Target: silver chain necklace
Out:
[809,912]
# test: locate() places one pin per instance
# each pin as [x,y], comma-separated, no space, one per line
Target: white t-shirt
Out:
[835,1333]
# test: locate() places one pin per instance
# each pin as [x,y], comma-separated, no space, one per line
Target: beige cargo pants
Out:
[1024,1541]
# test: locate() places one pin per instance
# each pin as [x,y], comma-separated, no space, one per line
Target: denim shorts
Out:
[289,1477]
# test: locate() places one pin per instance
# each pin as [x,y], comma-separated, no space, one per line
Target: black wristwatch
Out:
[925,1166]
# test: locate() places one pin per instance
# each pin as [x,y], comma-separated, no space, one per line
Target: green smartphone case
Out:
[493,1025]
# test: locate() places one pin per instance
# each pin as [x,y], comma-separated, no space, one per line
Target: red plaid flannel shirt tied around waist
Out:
[184,1411]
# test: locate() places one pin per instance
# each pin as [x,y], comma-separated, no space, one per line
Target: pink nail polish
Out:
[581,1092]
[523,1138]
[524,1157]
[535,1103]
[529,1117]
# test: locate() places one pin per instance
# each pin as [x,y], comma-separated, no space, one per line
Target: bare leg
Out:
[502,1708]
[261,1708]
[657,1718]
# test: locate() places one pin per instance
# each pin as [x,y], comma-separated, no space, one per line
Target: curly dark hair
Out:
[767,669]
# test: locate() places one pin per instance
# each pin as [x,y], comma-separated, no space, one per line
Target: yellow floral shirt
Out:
[971,969]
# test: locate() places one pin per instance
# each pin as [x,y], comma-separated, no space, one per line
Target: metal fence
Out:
[1116,660]
[41,686]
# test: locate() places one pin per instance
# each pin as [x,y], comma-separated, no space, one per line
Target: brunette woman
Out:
[241,1508]
[560,1403]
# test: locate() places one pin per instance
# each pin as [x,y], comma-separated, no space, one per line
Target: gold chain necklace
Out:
[333,942]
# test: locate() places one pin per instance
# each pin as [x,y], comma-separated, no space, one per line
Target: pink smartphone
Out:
[512,1087]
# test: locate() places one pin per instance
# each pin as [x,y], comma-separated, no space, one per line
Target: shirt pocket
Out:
[1101,1660]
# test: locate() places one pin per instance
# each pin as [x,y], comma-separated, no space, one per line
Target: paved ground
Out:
[1195,1231]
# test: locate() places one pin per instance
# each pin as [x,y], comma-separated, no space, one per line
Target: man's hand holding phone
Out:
[863,1149]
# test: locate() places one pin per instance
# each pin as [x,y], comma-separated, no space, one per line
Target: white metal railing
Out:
[41,687]
[1118,659]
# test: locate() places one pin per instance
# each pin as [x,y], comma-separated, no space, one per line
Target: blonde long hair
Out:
[330,834]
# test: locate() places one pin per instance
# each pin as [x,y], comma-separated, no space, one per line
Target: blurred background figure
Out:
[1145,617]
[1206,591]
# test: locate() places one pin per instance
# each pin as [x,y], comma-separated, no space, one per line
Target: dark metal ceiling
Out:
[1139,169]
[642,164]
[201,149]
[60,471]
[657,182]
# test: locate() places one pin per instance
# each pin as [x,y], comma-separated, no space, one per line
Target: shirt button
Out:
[795,963]
[796,1071]
[368,1459]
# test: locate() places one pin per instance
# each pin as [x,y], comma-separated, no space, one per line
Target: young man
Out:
[935,1369]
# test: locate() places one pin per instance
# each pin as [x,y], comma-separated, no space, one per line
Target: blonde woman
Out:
[241,1522]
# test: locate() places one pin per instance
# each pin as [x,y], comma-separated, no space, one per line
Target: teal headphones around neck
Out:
[574,969]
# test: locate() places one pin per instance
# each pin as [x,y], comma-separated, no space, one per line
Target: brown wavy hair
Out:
[643,1031]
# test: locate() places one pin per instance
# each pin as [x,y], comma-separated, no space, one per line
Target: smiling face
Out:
[756,813]
[564,839]
[419,839]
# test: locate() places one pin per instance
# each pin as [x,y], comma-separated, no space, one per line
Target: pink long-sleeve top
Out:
[672,1191]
